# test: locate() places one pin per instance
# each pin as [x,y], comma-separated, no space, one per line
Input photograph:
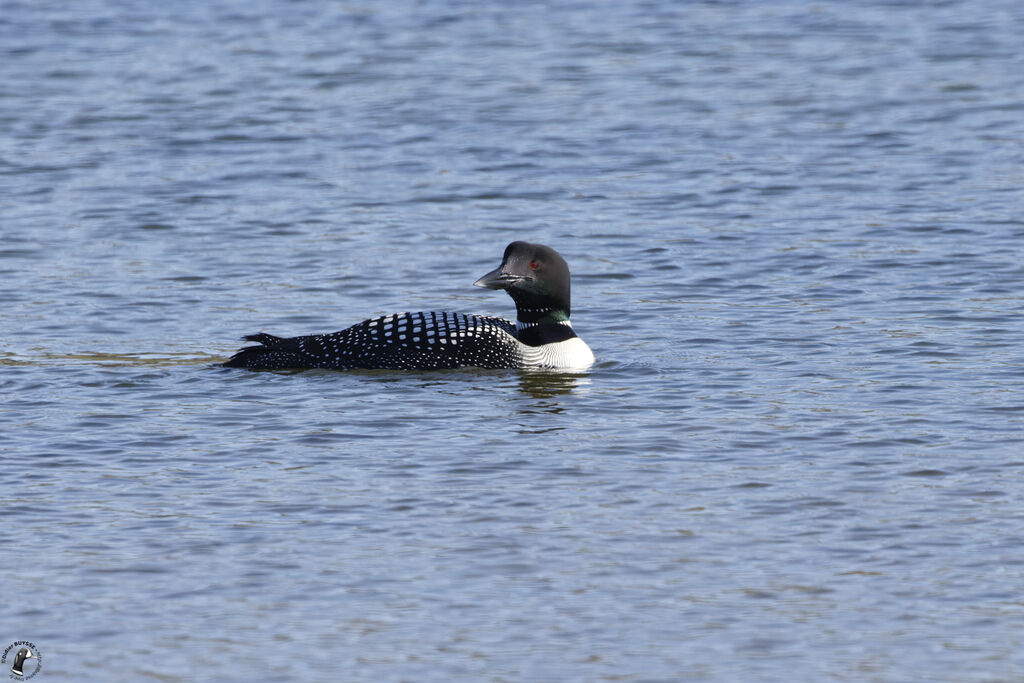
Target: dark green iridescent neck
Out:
[531,308]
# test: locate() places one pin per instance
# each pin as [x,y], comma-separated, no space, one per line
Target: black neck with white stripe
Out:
[538,334]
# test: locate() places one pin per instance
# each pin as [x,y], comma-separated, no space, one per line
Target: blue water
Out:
[796,238]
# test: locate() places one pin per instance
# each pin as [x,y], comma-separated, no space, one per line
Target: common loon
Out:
[535,276]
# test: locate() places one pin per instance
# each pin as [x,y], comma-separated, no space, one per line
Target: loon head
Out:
[537,279]
[19,661]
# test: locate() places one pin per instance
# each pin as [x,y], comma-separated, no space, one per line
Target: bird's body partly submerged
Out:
[536,278]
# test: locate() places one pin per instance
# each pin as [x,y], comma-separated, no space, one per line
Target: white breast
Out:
[571,354]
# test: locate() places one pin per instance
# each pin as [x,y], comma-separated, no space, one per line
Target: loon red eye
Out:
[534,265]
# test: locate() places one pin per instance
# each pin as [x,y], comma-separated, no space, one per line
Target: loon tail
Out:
[265,339]
[268,354]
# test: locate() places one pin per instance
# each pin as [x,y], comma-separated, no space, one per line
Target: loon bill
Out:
[535,276]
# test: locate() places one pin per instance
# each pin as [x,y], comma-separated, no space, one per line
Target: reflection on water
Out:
[540,384]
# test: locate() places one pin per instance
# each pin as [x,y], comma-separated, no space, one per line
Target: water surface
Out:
[795,233]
